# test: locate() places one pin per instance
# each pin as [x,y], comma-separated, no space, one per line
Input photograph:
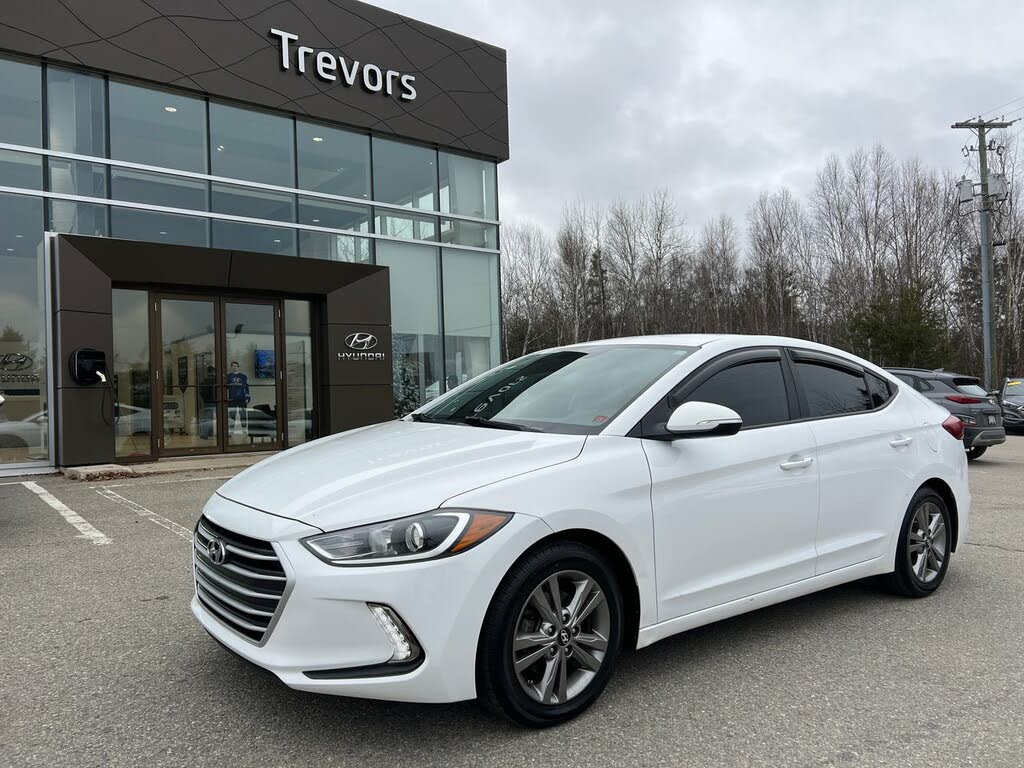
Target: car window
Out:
[878,390]
[906,378]
[969,386]
[1014,387]
[831,391]
[755,390]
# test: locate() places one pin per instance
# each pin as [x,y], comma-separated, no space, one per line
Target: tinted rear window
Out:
[969,387]
[879,390]
[831,391]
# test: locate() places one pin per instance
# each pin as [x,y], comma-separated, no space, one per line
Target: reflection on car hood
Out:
[1013,400]
[391,470]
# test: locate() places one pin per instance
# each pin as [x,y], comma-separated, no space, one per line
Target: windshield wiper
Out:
[480,421]
[427,419]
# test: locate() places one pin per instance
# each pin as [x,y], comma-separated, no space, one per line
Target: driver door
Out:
[733,515]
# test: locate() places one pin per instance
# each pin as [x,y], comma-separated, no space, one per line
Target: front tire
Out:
[976,453]
[923,550]
[551,637]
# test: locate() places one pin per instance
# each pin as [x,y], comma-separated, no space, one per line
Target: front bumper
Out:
[324,624]
[1013,418]
[982,437]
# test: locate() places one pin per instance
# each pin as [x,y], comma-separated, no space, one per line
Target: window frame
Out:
[795,354]
[652,425]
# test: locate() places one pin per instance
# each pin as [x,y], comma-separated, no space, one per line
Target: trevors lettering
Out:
[331,67]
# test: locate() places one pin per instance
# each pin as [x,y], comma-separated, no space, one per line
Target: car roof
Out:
[936,374]
[724,340]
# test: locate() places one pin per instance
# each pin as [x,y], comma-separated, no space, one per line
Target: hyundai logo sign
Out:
[361,341]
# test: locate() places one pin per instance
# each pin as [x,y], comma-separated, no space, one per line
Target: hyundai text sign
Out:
[333,68]
[361,343]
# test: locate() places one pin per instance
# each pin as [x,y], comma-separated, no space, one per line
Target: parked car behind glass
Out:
[965,398]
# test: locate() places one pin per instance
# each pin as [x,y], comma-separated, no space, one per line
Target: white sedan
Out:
[510,539]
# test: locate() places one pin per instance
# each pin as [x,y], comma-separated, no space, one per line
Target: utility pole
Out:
[988,315]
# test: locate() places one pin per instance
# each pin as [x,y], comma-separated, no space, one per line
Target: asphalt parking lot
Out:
[103,664]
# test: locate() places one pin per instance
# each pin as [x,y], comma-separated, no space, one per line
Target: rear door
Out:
[733,515]
[868,441]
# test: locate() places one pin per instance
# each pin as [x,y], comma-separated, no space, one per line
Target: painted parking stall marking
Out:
[148,514]
[86,529]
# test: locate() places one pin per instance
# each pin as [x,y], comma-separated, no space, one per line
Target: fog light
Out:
[402,640]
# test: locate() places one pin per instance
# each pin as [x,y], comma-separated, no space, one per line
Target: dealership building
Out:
[238,226]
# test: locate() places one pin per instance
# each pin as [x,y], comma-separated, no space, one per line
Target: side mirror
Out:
[697,419]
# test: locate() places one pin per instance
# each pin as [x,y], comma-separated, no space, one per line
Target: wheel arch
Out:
[942,488]
[621,565]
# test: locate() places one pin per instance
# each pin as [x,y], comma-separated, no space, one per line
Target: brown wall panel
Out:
[355,406]
[86,426]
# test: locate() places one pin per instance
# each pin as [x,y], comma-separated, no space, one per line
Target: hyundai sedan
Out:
[509,540]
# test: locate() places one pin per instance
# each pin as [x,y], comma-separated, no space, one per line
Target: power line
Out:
[1014,101]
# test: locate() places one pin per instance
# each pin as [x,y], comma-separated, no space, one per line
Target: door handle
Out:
[788,466]
[901,441]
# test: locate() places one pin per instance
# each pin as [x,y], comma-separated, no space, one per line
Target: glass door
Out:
[252,373]
[187,397]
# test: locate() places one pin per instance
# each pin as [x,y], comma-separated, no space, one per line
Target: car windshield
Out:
[571,391]
[1014,387]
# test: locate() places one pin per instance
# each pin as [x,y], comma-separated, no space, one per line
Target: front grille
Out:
[244,591]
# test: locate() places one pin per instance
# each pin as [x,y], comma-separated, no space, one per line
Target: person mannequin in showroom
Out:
[238,398]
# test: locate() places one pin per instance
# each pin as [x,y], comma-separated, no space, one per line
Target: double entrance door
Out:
[219,374]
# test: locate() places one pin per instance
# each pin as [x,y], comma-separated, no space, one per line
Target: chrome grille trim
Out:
[208,572]
[212,588]
[225,615]
[246,592]
[207,534]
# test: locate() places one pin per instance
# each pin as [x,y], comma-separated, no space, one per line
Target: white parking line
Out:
[163,482]
[148,514]
[85,528]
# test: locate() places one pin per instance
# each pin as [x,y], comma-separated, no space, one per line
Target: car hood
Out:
[1013,400]
[391,470]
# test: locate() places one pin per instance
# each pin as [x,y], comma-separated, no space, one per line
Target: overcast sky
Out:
[719,100]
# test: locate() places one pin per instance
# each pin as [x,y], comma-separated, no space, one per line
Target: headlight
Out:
[419,537]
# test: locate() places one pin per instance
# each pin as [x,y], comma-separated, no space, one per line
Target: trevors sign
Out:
[332,68]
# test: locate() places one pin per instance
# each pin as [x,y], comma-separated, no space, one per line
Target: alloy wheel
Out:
[927,542]
[561,637]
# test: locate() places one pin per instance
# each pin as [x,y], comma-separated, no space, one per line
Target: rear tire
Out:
[976,453]
[923,550]
[540,660]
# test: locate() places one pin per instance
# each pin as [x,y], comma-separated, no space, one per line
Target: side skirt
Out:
[660,631]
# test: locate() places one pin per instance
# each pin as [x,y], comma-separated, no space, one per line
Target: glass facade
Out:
[132,396]
[100,156]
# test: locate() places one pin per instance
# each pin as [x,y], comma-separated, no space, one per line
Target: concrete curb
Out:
[97,472]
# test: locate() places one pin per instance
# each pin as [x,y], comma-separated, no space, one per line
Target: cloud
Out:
[719,100]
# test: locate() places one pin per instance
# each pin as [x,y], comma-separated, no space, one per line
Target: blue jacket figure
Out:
[238,387]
